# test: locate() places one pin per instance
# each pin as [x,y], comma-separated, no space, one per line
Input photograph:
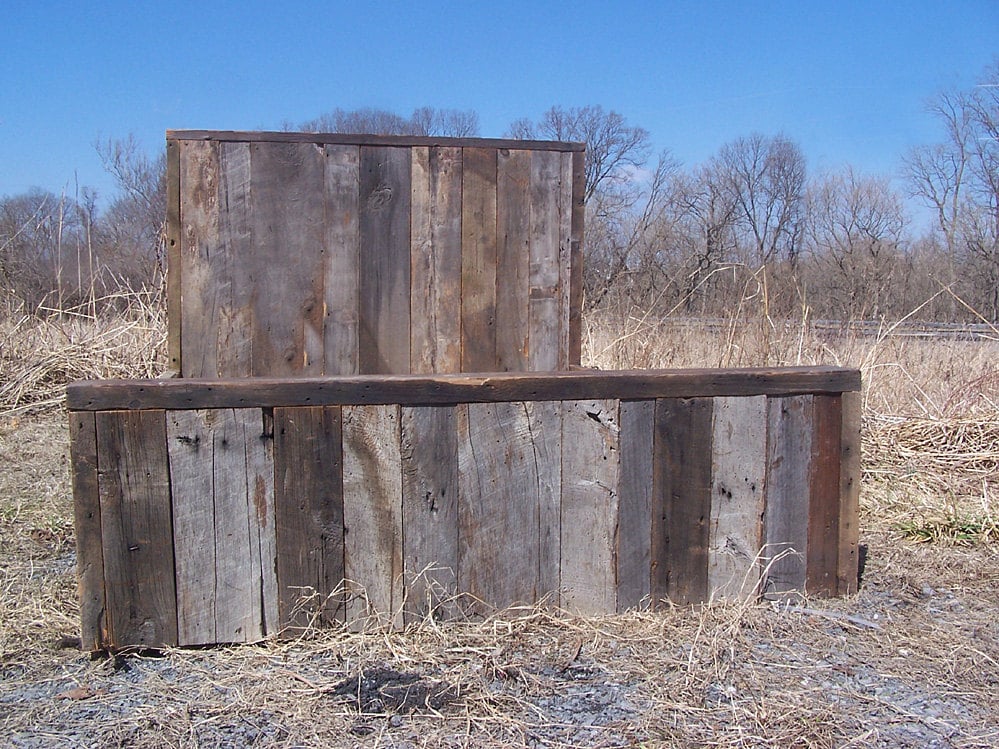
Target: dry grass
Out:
[911,660]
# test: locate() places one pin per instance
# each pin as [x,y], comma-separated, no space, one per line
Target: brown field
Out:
[911,660]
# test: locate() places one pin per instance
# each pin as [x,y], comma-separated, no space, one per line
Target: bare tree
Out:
[372,121]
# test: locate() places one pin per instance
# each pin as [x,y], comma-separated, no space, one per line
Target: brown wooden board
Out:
[451,389]
[563,200]
[576,257]
[372,514]
[369,140]
[308,502]
[498,507]
[513,259]
[544,419]
[136,529]
[342,248]
[590,478]
[681,499]
[821,574]
[385,201]
[543,339]
[173,252]
[436,260]
[87,522]
[478,260]
[849,494]
[738,475]
[789,454]
[634,537]
[429,455]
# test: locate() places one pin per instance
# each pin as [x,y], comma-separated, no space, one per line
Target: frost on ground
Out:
[911,660]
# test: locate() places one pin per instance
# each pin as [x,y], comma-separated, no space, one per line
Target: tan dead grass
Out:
[911,660]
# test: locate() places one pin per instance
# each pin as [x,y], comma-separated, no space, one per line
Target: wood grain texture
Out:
[591,474]
[681,499]
[821,574]
[789,454]
[576,257]
[429,455]
[173,252]
[849,494]
[342,262]
[87,523]
[436,260]
[478,260]
[451,389]
[385,276]
[634,537]
[244,136]
[136,529]
[372,514]
[563,198]
[308,504]
[738,475]
[498,506]
[544,308]
[544,420]
[513,258]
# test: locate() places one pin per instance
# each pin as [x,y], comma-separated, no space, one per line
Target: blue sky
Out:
[846,80]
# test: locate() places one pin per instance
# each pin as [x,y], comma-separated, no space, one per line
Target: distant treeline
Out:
[749,231]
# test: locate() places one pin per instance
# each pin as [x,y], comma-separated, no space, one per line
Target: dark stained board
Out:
[849,494]
[634,537]
[173,250]
[308,502]
[342,259]
[577,221]
[821,577]
[87,522]
[513,259]
[136,529]
[478,260]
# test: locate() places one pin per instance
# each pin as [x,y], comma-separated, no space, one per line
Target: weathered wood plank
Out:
[308,503]
[634,542]
[451,389]
[681,499]
[544,419]
[385,204]
[372,514]
[563,199]
[513,257]
[173,252]
[285,268]
[590,478]
[789,451]
[134,486]
[87,523]
[544,308]
[478,260]
[848,572]
[576,257]
[822,568]
[738,474]
[430,511]
[370,140]
[436,260]
[498,509]
[342,265]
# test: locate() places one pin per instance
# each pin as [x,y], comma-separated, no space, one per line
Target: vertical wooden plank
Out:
[785,520]
[285,270]
[576,257]
[372,513]
[544,419]
[342,248]
[513,257]
[173,255]
[738,474]
[849,491]
[134,486]
[478,260]
[436,260]
[87,522]
[681,499]
[821,573]
[430,510]
[498,514]
[590,478]
[634,542]
[564,201]
[544,310]
[198,326]
[384,320]
[308,505]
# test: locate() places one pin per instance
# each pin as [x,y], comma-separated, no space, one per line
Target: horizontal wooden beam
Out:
[351,139]
[178,394]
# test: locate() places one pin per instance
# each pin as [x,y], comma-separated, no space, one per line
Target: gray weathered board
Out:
[301,254]
[210,512]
